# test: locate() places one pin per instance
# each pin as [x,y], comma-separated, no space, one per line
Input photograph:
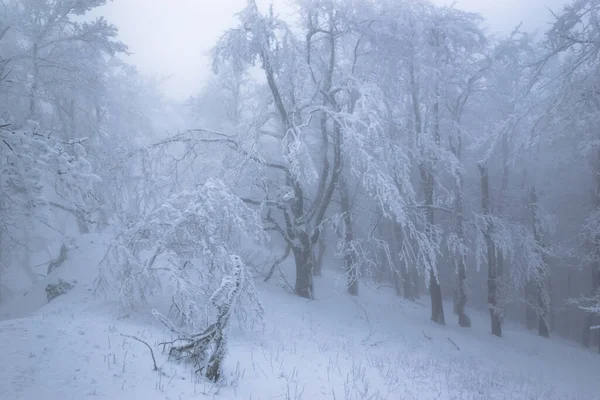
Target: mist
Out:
[299,199]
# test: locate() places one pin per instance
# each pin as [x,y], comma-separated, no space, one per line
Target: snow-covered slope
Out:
[375,346]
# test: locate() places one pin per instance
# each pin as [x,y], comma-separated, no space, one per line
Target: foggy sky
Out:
[170,39]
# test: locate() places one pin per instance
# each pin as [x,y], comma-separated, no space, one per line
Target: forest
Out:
[351,147]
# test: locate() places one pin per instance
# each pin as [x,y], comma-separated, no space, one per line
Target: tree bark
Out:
[426,165]
[321,248]
[304,267]
[495,313]
[349,254]
[408,288]
[461,301]
[435,290]
[543,300]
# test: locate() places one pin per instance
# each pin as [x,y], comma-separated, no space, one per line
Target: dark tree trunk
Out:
[304,268]
[495,312]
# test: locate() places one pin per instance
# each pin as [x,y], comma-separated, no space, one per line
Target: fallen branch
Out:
[428,337]
[455,345]
[151,351]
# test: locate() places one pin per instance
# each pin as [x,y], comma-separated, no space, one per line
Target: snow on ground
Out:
[376,346]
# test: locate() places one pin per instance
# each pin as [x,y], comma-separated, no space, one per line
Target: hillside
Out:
[376,346]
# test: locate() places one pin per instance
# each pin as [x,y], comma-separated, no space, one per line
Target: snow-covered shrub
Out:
[207,349]
[184,246]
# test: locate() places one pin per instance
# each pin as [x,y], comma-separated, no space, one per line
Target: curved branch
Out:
[277,262]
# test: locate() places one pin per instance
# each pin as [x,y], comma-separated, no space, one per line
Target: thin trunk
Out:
[530,300]
[349,254]
[543,300]
[408,285]
[495,312]
[35,71]
[304,267]
[435,290]
[460,294]
[505,156]
[426,166]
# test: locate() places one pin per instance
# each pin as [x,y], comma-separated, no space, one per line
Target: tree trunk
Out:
[495,312]
[589,320]
[349,254]
[587,336]
[304,268]
[461,300]
[530,300]
[460,293]
[408,288]
[34,81]
[435,290]
[543,300]
[321,248]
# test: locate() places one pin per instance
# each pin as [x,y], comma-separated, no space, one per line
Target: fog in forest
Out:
[300,199]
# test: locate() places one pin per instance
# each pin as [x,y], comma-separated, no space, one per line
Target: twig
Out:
[277,262]
[151,351]
[428,337]
[377,343]
[289,287]
[451,341]
[366,314]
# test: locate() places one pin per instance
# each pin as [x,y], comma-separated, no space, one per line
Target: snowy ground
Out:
[372,347]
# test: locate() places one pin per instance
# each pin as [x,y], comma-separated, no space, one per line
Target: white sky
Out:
[171,38]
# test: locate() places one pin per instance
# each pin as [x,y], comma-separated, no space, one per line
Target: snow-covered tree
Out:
[38,175]
[207,349]
[575,39]
[184,246]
